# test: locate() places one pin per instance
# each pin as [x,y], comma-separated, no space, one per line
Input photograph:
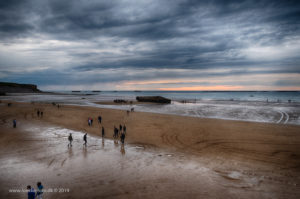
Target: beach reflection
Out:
[70,151]
[116,143]
[122,149]
[103,143]
[84,152]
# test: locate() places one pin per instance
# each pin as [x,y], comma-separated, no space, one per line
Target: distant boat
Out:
[76,91]
[137,91]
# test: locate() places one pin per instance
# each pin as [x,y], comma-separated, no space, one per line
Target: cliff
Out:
[7,87]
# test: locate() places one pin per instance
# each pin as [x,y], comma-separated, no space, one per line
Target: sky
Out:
[151,44]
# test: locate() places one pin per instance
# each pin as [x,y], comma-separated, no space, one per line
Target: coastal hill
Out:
[8,87]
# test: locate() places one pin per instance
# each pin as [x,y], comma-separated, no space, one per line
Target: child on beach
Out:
[39,193]
[31,192]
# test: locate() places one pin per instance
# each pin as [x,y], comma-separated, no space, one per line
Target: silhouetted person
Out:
[99,119]
[42,113]
[85,139]
[124,128]
[115,132]
[122,137]
[31,192]
[103,133]
[14,123]
[70,138]
[120,127]
[38,113]
[91,121]
[39,192]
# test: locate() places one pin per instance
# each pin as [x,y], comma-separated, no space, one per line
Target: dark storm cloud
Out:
[179,34]
[12,21]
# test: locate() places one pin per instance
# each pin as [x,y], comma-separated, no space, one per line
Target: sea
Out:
[281,107]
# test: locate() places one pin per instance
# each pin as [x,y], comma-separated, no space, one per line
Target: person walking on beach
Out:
[14,123]
[39,192]
[31,192]
[120,127]
[124,128]
[89,121]
[103,133]
[38,113]
[115,132]
[42,113]
[122,137]
[99,119]
[70,138]
[85,139]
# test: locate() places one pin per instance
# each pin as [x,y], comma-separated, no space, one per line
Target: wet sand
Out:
[165,156]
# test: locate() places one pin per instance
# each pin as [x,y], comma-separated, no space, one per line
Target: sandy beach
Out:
[165,156]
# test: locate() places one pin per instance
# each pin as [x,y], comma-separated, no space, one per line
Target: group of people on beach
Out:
[39,113]
[90,120]
[32,194]
[70,138]
[118,132]
[121,131]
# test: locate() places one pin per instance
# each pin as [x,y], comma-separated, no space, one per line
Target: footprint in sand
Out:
[50,163]
[63,162]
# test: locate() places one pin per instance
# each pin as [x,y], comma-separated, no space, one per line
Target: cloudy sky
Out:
[151,44]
